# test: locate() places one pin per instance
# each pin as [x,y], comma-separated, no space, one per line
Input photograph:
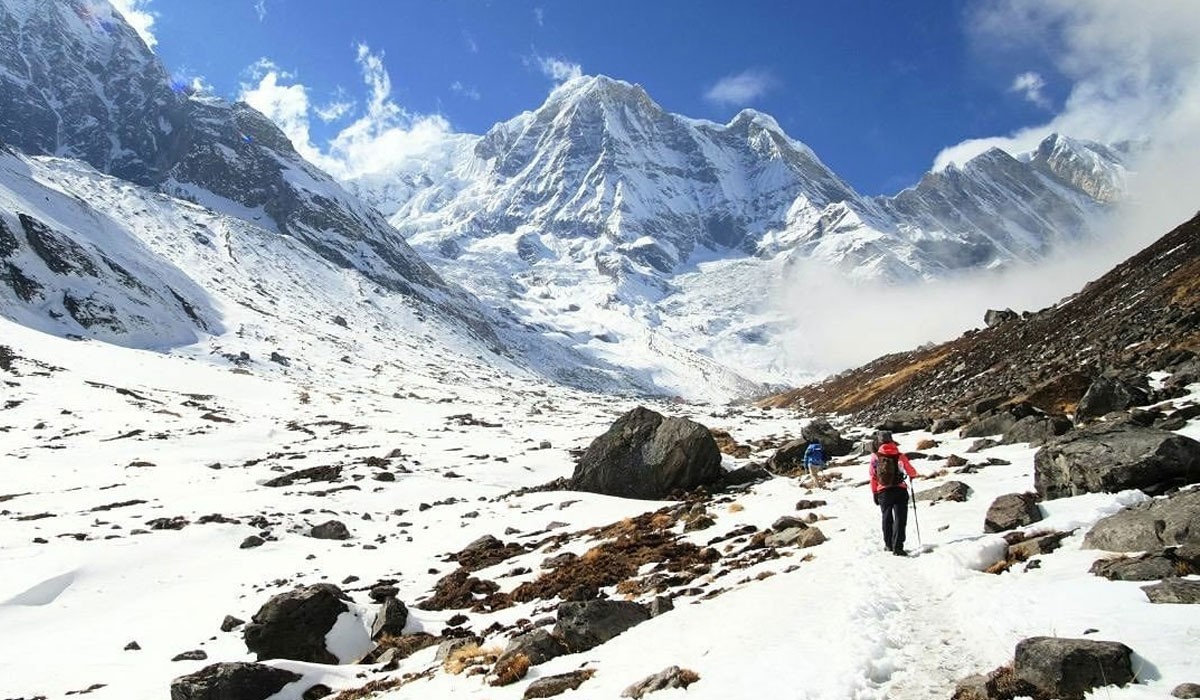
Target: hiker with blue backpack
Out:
[814,460]
[890,490]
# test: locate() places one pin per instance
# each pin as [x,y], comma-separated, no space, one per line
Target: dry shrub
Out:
[510,670]
[407,644]
[736,507]
[999,567]
[927,444]
[687,677]
[662,521]
[936,474]
[470,655]
[370,689]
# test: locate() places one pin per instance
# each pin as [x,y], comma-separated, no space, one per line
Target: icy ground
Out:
[97,441]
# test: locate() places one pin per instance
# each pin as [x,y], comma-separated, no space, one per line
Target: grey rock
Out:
[251,542]
[539,646]
[647,455]
[800,537]
[831,439]
[1037,430]
[557,684]
[670,677]
[1186,690]
[1149,526]
[587,624]
[293,625]
[904,421]
[1111,457]
[660,605]
[1106,395]
[787,522]
[390,620]
[231,623]
[944,425]
[1068,668]
[1171,562]
[1174,590]
[994,317]
[330,530]
[1011,511]
[232,681]
[193,655]
[949,491]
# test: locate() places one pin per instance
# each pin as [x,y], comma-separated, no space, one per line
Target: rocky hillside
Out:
[1142,317]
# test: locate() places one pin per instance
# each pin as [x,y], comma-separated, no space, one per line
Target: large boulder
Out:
[831,439]
[390,620]
[999,421]
[1108,394]
[1010,511]
[587,624]
[1037,429]
[949,491]
[905,421]
[537,646]
[1151,566]
[293,625]
[1149,526]
[1112,457]
[1175,591]
[1068,668]
[232,681]
[647,455]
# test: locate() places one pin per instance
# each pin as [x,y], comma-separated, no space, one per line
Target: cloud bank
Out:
[384,135]
[1133,71]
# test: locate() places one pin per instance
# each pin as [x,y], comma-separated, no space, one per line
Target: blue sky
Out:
[878,88]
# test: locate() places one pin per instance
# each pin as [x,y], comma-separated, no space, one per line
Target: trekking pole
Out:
[916,520]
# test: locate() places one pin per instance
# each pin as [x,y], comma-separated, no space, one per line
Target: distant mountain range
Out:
[596,237]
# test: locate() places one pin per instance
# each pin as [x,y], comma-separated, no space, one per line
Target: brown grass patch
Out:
[855,398]
[510,670]
[632,543]
[469,656]
[736,507]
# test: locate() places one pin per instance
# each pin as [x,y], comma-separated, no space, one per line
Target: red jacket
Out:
[890,448]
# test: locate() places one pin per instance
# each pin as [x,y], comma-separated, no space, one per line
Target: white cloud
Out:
[469,41]
[741,89]
[137,13]
[334,110]
[260,7]
[1030,86]
[383,137]
[539,16]
[468,92]
[1134,71]
[557,69]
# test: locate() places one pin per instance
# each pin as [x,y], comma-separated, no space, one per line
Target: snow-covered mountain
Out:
[77,83]
[600,213]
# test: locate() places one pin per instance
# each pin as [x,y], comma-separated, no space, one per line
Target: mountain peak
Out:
[602,89]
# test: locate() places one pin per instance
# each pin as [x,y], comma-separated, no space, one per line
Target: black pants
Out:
[893,504]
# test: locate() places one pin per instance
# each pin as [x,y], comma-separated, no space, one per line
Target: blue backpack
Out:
[814,456]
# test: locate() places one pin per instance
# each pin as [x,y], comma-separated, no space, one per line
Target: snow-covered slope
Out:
[132,479]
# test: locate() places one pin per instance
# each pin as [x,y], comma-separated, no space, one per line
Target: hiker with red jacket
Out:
[891,492]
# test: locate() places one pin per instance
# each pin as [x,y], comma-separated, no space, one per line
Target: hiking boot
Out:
[900,552]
